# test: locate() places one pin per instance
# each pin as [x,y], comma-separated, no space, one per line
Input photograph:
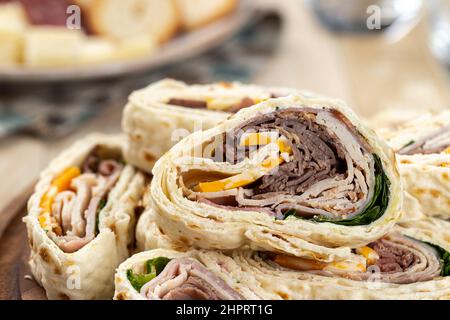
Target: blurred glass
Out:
[440,30]
[366,15]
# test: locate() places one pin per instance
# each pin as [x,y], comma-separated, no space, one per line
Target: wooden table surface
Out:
[368,72]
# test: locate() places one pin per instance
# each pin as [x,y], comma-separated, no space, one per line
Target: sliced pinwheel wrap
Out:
[160,115]
[423,154]
[81,219]
[163,274]
[410,262]
[299,175]
[148,234]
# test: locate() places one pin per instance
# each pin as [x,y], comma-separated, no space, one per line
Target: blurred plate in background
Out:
[181,47]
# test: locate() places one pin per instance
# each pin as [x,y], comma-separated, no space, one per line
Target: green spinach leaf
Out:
[101,205]
[377,205]
[374,209]
[156,265]
[290,212]
[444,255]
[138,280]
[153,268]
[408,144]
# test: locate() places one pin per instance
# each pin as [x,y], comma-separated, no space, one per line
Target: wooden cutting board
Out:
[16,282]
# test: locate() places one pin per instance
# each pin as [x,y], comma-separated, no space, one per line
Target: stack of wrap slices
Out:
[233,191]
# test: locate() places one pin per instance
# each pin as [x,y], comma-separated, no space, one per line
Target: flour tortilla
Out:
[425,177]
[221,265]
[89,272]
[190,223]
[153,126]
[282,283]
[262,279]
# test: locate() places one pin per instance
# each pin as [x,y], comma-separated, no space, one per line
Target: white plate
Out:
[181,47]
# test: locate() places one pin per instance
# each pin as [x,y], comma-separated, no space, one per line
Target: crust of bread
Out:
[226,7]
[95,21]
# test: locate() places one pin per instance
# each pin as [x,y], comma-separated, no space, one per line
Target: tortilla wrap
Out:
[193,208]
[264,275]
[160,115]
[81,266]
[423,154]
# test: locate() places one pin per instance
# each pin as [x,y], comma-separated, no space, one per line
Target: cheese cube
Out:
[13,22]
[135,47]
[49,46]
[97,50]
